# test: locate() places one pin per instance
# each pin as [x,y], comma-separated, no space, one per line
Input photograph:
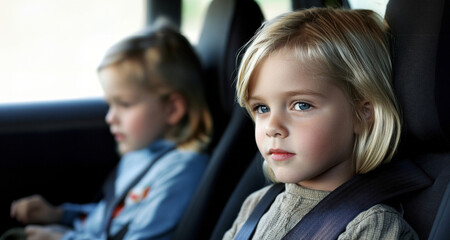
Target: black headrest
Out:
[422,70]
[229,24]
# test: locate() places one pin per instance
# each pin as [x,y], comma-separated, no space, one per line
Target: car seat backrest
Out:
[229,24]
[421,80]
[227,27]
[420,72]
[252,180]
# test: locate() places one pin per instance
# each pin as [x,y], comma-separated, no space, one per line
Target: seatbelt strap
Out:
[109,191]
[330,217]
[249,226]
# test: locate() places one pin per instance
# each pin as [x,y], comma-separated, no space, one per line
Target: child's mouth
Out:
[280,155]
[119,137]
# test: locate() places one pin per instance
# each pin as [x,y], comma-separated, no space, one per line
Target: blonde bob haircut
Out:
[162,61]
[349,47]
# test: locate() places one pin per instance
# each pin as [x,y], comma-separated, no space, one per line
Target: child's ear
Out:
[365,116]
[177,108]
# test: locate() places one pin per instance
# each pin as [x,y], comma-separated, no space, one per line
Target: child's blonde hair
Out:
[350,47]
[162,61]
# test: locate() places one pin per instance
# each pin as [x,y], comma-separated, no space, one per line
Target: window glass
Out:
[193,14]
[51,48]
[273,8]
[378,6]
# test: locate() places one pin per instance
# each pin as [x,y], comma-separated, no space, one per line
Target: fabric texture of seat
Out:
[252,180]
[421,45]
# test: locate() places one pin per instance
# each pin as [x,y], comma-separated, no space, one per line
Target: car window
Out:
[379,6]
[273,8]
[50,48]
[194,12]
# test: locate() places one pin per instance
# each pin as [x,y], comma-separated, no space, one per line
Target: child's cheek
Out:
[259,136]
[313,143]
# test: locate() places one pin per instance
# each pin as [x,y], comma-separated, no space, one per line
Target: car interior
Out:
[63,150]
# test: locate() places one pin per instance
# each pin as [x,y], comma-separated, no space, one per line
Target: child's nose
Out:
[110,116]
[275,126]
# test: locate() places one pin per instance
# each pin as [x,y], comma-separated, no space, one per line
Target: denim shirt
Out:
[154,205]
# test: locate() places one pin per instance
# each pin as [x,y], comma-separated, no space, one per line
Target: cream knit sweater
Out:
[290,206]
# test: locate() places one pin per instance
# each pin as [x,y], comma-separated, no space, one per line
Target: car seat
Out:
[228,25]
[420,30]
[421,80]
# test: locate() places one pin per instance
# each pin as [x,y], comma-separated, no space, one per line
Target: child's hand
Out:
[35,209]
[41,233]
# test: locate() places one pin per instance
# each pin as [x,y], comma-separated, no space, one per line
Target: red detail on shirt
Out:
[146,190]
[135,197]
[118,209]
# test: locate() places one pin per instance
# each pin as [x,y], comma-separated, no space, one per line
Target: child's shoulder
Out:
[379,222]
[180,161]
[183,155]
[252,200]
[257,195]
[246,209]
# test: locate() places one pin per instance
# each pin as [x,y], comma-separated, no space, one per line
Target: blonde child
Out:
[159,118]
[317,84]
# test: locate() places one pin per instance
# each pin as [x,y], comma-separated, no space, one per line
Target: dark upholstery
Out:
[421,70]
[229,24]
[440,229]
[421,77]
[252,180]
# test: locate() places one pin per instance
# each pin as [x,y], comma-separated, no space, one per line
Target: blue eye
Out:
[301,106]
[262,109]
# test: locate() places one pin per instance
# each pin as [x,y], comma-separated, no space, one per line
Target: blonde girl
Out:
[317,84]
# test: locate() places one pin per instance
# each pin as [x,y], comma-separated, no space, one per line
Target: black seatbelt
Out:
[328,219]
[249,226]
[109,193]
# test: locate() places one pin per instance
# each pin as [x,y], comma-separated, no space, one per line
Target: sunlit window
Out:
[273,8]
[378,6]
[193,14]
[50,48]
